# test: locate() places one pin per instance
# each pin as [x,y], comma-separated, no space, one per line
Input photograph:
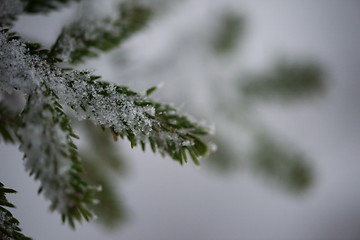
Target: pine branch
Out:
[9,225]
[281,164]
[51,156]
[286,81]
[126,112]
[22,67]
[46,135]
[84,38]
[131,115]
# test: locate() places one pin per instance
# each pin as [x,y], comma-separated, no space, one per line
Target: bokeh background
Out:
[277,79]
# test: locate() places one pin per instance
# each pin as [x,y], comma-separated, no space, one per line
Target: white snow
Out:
[44,140]
[45,146]
[17,70]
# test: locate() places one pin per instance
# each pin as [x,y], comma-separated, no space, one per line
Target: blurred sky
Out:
[168,201]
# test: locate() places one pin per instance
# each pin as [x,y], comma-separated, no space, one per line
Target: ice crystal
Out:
[104,103]
[99,33]
[127,113]
[17,69]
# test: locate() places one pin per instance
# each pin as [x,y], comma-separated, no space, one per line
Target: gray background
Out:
[168,201]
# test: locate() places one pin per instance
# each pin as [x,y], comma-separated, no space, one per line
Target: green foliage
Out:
[281,164]
[286,81]
[100,34]
[163,129]
[183,130]
[9,225]
[230,28]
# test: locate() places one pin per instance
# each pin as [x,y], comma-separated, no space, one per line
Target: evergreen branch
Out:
[9,225]
[230,29]
[132,115]
[84,38]
[21,67]
[45,134]
[126,112]
[51,156]
[286,81]
[281,164]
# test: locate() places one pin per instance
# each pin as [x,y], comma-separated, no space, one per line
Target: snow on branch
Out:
[132,115]
[85,37]
[287,80]
[126,112]
[18,70]
[45,133]
[51,156]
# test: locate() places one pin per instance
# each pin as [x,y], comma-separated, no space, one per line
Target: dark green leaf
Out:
[106,33]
